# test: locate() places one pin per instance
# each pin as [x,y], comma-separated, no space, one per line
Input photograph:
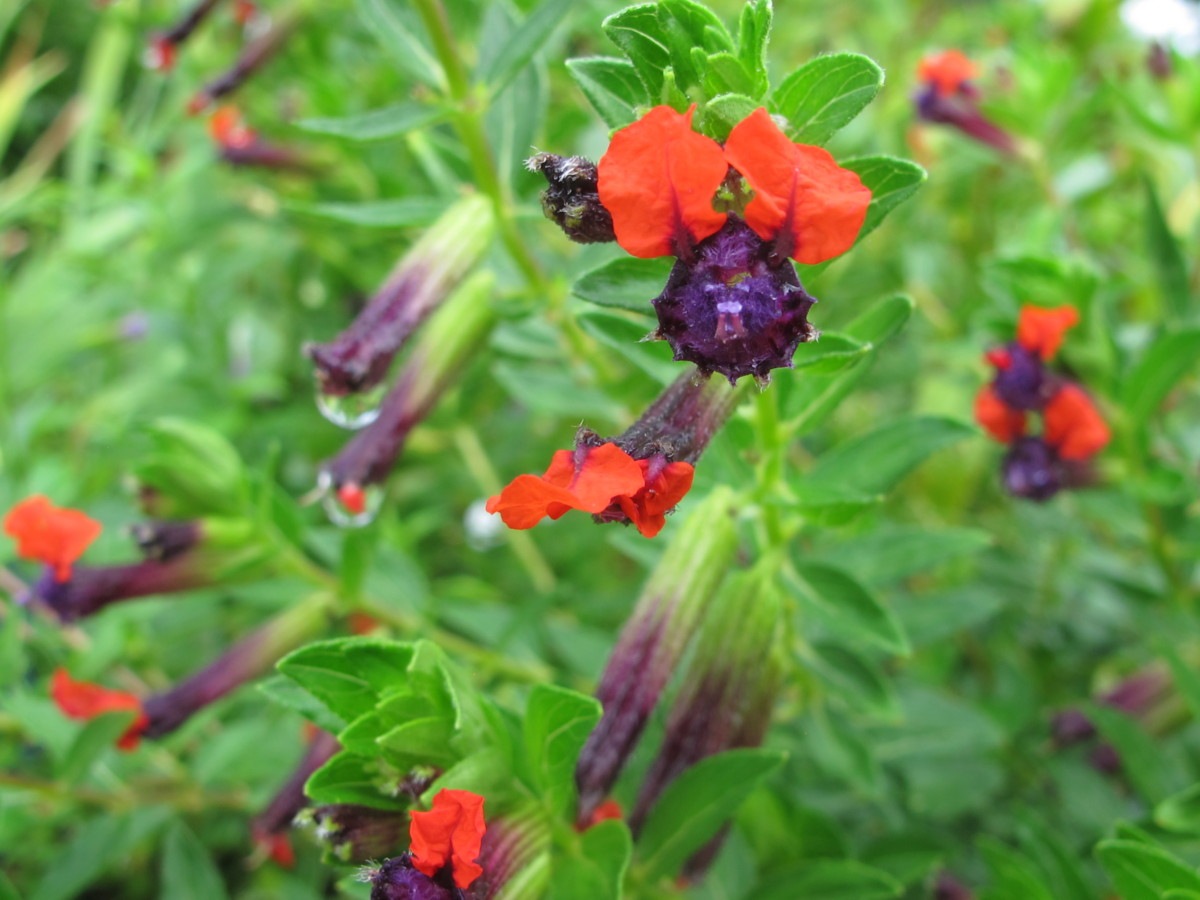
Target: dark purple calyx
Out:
[1022,381]
[1032,470]
[396,879]
[572,200]
[961,110]
[163,541]
[358,833]
[732,311]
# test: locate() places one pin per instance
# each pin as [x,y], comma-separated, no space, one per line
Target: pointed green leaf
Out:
[754,29]
[823,95]
[718,117]
[395,30]
[188,870]
[626,283]
[1167,360]
[557,723]
[696,804]
[845,606]
[636,30]
[891,180]
[612,86]
[593,866]
[525,40]
[348,674]
[859,681]
[1180,812]
[1144,872]
[1168,260]
[378,124]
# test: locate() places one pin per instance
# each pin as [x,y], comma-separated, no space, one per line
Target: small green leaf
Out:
[636,30]
[858,680]
[754,28]
[1012,874]
[823,95]
[1168,260]
[593,866]
[525,40]
[378,124]
[625,283]
[891,180]
[845,606]
[691,31]
[627,337]
[349,778]
[348,674]
[1180,812]
[557,723]
[188,871]
[95,738]
[696,804]
[829,879]
[875,462]
[612,86]
[196,468]
[1144,872]
[391,27]
[1184,677]
[831,506]
[289,694]
[1163,364]
[718,117]
[883,320]
[832,353]
[725,74]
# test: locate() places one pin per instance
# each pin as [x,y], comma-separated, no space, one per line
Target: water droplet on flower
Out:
[353,506]
[352,411]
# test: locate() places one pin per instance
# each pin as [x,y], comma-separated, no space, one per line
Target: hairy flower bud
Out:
[572,200]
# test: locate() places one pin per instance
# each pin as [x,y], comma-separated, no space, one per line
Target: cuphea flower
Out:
[733,303]
[83,700]
[53,535]
[450,835]
[1038,466]
[638,476]
[949,97]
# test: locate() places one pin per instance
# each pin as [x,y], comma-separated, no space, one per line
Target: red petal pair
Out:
[659,177]
[227,127]
[83,700]
[1073,425]
[49,534]
[592,479]
[947,71]
[451,833]
[997,418]
[1041,330]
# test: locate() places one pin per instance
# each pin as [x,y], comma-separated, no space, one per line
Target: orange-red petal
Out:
[83,700]
[947,71]
[658,180]
[588,478]
[609,809]
[1073,425]
[49,534]
[997,418]
[806,203]
[661,493]
[229,129]
[451,833]
[1041,330]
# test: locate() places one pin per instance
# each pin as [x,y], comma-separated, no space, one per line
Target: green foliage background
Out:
[922,751]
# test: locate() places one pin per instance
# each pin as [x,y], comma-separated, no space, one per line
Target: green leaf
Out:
[188,871]
[883,320]
[628,338]
[721,113]
[891,181]
[1141,759]
[625,283]
[691,31]
[875,462]
[348,674]
[845,606]
[892,554]
[725,74]
[612,86]
[557,723]
[1163,364]
[754,29]
[404,212]
[832,353]
[696,804]
[1144,872]
[1180,812]
[289,694]
[1168,260]
[636,30]
[1184,677]
[521,45]
[349,778]
[391,27]
[378,124]
[831,879]
[859,681]
[95,739]
[593,866]
[831,506]
[823,95]
[196,469]
[95,847]
[1012,874]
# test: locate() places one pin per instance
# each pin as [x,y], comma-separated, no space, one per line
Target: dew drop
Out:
[351,506]
[352,411]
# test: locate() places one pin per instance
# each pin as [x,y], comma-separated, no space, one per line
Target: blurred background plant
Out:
[939,627]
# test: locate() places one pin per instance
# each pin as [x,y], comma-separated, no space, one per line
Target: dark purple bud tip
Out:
[1022,382]
[396,879]
[165,540]
[1070,727]
[1105,759]
[1031,470]
[732,311]
[572,200]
